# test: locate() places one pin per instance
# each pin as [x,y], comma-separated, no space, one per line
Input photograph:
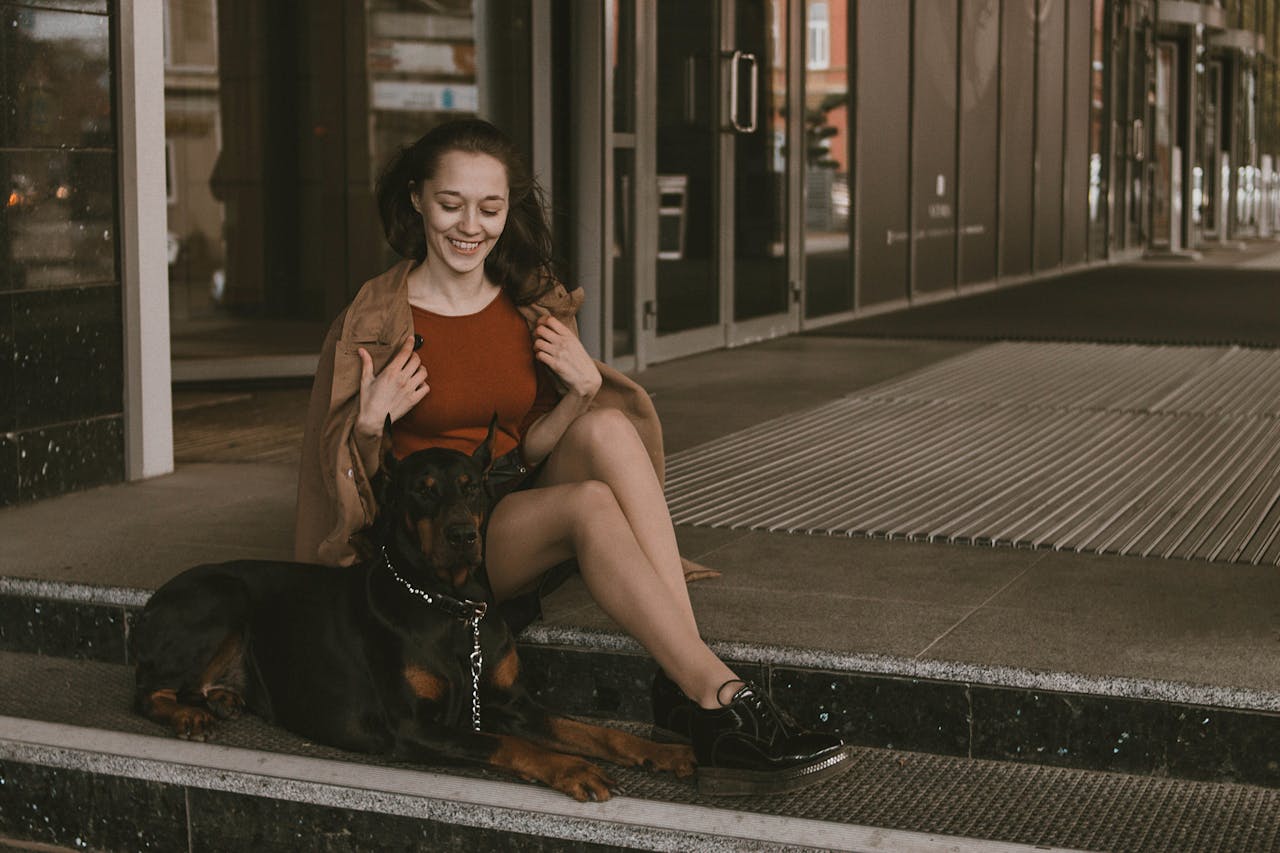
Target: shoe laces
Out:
[771,721]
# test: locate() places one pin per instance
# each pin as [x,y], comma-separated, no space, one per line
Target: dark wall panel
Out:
[61,327]
[1017,106]
[883,54]
[1075,183]
[933,146]
[979,152]
[1049,81]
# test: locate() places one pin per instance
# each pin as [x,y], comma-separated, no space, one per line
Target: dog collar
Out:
[466,610]
[459,608]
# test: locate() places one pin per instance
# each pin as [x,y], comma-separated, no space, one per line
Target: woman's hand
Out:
[556,346]
[393,391]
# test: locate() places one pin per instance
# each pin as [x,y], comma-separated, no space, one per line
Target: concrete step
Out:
[1057,719]
[79,769]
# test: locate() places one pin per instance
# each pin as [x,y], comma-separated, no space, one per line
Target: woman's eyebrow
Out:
[494,197]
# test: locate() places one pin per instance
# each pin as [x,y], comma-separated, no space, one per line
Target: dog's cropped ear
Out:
[484,453]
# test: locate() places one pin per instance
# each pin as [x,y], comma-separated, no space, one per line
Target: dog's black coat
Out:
[352,657]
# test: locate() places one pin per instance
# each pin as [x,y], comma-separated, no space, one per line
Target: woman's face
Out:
[464,209]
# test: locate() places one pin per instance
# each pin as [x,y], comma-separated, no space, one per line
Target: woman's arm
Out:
[556,346]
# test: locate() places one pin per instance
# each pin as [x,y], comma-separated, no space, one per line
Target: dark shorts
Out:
[507,475]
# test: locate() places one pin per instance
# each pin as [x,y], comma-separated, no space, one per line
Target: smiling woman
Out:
[474,327]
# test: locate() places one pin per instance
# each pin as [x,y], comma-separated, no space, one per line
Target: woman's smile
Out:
[464,247]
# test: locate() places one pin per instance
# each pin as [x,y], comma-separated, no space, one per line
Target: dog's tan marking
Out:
[505,671]
[423,684]
[224,668]
[426,534]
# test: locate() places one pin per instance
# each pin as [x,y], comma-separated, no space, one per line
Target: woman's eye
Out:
[449,207]
[490,212]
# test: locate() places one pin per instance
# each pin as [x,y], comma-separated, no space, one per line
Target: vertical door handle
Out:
[735,63]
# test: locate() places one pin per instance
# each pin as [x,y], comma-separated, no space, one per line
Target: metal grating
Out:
[1151,451]
[994,800]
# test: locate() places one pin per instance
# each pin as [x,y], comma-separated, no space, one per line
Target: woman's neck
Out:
[436,288]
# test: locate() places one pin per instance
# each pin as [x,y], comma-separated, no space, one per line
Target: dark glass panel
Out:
[1048,155]
[55,79]
[59,218]
[828,262]
[1075,170]
[883,73]
[687,130]
[933,155]
[979,102]
[1017,105]
[760,164]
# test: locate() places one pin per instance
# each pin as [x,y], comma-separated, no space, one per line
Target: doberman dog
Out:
[399,655]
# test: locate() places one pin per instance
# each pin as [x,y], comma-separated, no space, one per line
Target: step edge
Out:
[479,803]
[934,669]
[931,669]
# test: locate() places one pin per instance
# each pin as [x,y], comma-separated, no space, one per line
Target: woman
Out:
[472,323]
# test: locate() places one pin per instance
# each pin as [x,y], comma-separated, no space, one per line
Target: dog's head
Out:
[433,502]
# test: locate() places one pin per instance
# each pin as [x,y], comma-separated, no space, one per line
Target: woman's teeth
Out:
[464,247]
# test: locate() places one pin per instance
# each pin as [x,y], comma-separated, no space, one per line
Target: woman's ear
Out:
[413,198]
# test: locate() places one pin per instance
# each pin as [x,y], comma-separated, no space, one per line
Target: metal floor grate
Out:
[1151,451]
[992,800]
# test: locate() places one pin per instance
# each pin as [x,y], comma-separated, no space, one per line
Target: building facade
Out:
[191,180]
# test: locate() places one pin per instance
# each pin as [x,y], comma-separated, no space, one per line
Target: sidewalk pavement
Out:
[1196,632]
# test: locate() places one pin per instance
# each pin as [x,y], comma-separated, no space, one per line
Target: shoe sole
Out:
[718,782]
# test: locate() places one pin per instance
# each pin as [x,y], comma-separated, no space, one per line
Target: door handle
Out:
[736,58]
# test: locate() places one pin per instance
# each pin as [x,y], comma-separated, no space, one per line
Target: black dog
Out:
[394,656]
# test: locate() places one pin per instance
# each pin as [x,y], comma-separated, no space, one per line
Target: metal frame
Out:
[143,216]
[590,170]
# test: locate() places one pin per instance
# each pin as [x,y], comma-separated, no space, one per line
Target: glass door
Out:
[721,194]
[757,129]
[1166,155]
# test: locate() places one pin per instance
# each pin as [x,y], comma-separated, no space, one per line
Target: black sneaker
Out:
[750,747]
[672,710]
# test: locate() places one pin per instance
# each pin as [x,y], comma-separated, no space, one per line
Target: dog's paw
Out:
[582,780]
[192,723]
[225,704]
[672,758]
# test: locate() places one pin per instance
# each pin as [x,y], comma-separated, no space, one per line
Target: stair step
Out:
[1162,729]
[78,768]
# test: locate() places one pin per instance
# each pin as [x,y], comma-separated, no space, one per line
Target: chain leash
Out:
[468,611]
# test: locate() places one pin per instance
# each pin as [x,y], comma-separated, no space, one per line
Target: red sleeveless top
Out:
[477,364]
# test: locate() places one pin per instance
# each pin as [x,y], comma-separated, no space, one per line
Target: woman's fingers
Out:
[366,366]
[405,353]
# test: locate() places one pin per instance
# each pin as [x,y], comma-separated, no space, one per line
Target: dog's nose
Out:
[461,534]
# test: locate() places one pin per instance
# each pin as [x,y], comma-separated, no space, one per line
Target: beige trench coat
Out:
[335,498]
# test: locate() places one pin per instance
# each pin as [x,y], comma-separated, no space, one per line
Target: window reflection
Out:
[828,270]
[57,149]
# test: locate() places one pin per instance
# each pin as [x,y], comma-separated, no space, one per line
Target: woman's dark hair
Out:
[521,259]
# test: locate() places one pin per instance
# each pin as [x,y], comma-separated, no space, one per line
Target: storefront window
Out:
[828,267]
[278,118]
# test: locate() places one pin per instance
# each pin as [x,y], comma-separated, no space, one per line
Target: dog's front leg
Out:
[568,774]
[619,747]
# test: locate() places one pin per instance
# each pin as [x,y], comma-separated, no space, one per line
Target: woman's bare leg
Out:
[603,445]
[532,530]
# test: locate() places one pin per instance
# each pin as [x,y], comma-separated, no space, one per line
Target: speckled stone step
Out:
[1057,719]
[77,768]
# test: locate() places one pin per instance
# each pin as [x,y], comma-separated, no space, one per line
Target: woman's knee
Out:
[593,506]
[601,429]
